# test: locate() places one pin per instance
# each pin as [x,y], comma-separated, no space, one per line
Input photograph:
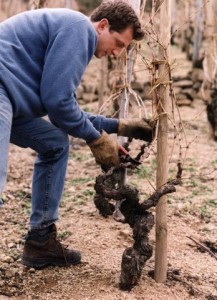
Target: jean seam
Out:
[46,202]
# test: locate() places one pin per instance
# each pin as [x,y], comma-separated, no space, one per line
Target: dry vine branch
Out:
[38,4]
[203,247]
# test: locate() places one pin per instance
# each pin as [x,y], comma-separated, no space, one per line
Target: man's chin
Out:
[99,55]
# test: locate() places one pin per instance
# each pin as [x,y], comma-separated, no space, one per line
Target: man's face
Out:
[111,42]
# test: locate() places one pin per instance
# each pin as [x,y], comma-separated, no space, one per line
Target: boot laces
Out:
[63,248]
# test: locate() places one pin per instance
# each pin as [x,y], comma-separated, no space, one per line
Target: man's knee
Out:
[62,145]
[58,149]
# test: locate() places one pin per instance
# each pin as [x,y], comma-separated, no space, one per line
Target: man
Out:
[43,55]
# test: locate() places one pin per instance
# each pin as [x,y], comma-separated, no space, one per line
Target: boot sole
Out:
[38,264]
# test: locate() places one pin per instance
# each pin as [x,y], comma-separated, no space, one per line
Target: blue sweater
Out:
[43,55]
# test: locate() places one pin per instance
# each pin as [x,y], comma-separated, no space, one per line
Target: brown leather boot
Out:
[45,250]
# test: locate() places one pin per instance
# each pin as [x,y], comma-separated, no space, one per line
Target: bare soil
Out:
[192,212]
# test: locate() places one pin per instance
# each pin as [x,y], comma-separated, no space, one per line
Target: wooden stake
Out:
[198,35]
[162,144]
[103,80]
[210,59]
[124,106]
[130,62]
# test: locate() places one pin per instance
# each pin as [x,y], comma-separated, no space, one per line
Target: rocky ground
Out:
[192,213]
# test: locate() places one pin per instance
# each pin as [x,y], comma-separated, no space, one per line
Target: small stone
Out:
[8,273]
[6,259]
[31,270]
[2,283]
[11,245]
[125,233]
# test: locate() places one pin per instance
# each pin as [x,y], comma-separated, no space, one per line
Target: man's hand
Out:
[105,149]
[136,128]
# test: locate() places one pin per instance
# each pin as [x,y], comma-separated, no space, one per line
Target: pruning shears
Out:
[127,159]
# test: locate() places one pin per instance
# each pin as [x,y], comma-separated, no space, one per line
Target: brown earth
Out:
[192,212]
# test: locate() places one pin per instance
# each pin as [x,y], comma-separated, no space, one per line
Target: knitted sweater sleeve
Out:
[68,53]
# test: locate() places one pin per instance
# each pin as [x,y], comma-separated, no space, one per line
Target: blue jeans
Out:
[52,147]
[5,129]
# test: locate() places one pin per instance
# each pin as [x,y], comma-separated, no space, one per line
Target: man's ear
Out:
[102,25]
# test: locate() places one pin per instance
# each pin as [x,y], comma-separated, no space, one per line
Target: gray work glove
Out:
[105,149]
[136,128]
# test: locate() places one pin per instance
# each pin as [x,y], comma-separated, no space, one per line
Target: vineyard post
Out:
[198,32]
[210,59]
[162,142]
[124,105]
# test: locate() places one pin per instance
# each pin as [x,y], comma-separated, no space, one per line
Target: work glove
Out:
[106,149]
[136,128]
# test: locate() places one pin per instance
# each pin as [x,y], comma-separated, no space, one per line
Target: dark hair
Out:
[120,15]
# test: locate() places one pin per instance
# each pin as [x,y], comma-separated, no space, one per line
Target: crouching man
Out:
[43,55]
